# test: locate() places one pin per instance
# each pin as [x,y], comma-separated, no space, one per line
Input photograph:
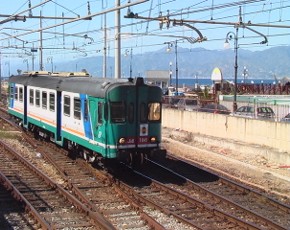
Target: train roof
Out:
[92,86]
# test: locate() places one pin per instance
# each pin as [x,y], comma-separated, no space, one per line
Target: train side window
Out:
[106,111]
[117,112]
[154,111]
[37,98]
[66,106]
[51,102]
[20,94]
[86,112]
[16,93]
[77,108]
[131,113]
[31,97]
[100,113]
[143,113]
[44,100]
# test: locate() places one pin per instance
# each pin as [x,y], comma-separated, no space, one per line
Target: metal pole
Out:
[9,69]
[131,63]
[117,41]
[0,75]
[176,74]
[245,73]
[236,70]
[40,46]
[32,61]
[170,72]
[105,48]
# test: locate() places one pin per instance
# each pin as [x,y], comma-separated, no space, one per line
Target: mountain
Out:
[267,64]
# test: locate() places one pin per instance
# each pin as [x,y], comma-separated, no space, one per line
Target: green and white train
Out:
[112,119]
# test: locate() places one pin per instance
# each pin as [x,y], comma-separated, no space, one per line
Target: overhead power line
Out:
[78,19]
[22,12]
[167,20]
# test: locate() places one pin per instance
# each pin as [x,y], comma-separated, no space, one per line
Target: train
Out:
[100,119]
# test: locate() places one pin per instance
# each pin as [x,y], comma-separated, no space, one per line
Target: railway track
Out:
[189,210]
[51,205]
[158,198]
[13,213]
[231,197]
[99,192]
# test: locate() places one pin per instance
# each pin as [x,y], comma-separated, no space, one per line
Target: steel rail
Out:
[244,188]
[85,200]
[194,201]
[61,190]
[18,196]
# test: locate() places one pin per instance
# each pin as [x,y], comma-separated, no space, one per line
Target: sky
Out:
[84,38]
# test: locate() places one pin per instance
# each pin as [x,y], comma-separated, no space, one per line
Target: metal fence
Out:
[280,110]
[280,106]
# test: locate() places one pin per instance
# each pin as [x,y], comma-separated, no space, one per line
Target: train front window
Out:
[154,111]
[117,112]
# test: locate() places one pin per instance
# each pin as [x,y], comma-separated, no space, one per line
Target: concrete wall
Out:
[267,133]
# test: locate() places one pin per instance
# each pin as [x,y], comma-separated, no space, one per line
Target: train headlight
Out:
[153,139]
[122,140]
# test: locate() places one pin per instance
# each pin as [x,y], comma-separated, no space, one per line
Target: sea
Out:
[188,82]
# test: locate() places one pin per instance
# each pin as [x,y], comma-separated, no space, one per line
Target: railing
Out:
[280,107]
[258,89]
[280,110]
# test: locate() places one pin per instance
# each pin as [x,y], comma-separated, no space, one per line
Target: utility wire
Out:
[65,8]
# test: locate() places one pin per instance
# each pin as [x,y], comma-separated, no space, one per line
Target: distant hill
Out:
[266,64]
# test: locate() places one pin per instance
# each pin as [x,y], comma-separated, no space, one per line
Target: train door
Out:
[58,116]
[87,119]
[25,107]
[135,126]
[142,126]
[148,99]
[11,95]
[132,114]
[96,106]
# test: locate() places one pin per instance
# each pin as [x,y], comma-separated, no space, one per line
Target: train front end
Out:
[135,121]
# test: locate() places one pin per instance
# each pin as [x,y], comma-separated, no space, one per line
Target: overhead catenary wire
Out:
[191,11]
[125,25]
